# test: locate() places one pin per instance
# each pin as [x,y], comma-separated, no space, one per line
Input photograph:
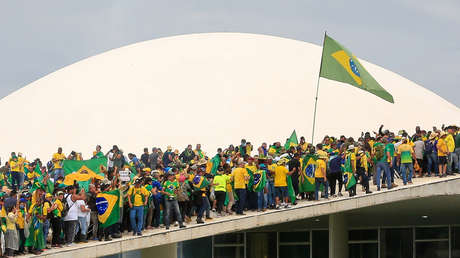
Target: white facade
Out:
[213,89]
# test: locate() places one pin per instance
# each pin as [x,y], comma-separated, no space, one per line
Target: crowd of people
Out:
[169,188]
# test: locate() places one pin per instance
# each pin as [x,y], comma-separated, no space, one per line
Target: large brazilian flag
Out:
[349,179]
[257,180]
[108,207]
[83,171]
[339,64]
[291,141]
[307,175]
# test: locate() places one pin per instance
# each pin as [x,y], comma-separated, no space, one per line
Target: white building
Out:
[213,89]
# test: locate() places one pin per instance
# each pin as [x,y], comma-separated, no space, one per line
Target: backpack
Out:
[379,151]
[66,207]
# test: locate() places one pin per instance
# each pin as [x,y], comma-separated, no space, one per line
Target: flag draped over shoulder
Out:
[108,207]
[83,171]
[349,179]
[200,182]
[292,141]
[307,174]
[339,64]
[213,165]
[257,180]
[291,192]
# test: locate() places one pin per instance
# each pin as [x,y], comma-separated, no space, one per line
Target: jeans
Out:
[432,163]
[156,212]
[383,165]
[204,207]
[261,200]
[17,179]
[70,227]
[241,193]
[83,226]
[136,213]
[171,206]
[46,229]
[450,161]
[271,193]
[95,224]
[318,182]
[56,224]
[404,167]
[58,172]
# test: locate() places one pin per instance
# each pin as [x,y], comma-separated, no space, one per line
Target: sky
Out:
[418,39]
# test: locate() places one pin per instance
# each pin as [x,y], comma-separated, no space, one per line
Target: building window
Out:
[363,243]
[294,244]
[396,242]
[432,242]
[455,241]
[261,245]
[229,245]
[320,243]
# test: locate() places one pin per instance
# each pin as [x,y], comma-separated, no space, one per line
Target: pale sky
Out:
[418,39]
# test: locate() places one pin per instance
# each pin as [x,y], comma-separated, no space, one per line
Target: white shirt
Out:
[73,209]
[109,161]
[80,203]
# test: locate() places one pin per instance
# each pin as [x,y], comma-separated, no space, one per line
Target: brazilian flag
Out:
[83,171]
[307,175]
[108,207]
[291,191]
[215,162]
[199,182]
[339,64]
[349,179]
[257,180]
[292,141]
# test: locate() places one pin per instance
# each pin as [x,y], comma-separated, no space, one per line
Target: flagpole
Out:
[317,90]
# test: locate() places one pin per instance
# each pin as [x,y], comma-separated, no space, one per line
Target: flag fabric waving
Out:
[93,165]
[349,179]
[291,192]
[339,64]
[108,207]
[292,141]
[200,182]
[257,180]
[307,175]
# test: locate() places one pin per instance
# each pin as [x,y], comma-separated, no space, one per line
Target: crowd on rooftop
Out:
[39,210]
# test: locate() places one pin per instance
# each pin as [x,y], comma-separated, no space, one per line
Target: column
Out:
[338,236]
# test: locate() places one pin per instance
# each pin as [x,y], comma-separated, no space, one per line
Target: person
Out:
[83,212]
[382,155]
[36,241]
[187,155]
[56,220]
[335,173]
[362,169]
[280,183]
[240,177]
[48,208]
[57,159]
[20,224]
[263,151]
[97,153]
[11,236]
[15,170]
[431,155]
[153,159]
[170,189]
[457,148]
[405,156]
[294,169]
[320,175]
[71,219]
[183,195]
[91,202]
[220,189]
[419,149]
[137,199]
[145,158]
[451,157]
[443,152]
[167,156]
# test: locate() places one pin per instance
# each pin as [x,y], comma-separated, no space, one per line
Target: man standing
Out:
[187,155]
[240,177]
[443,152]
[137,199]
[57,162]
[153,159]
[294,169]
[405,155]
[170,189]
[382,155]
[320,175]
[280,182]
[71,219]
[145,158]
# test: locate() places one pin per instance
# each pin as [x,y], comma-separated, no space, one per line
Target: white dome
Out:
[213,89]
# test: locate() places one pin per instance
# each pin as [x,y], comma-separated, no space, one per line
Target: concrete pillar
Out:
[338,236]
[163,251]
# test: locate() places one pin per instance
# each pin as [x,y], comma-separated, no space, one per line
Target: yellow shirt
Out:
[253,168]
[59,158]
[46,206]
[59,207]
[442,148]
[320,171]
[14,166]
[138,193]
[21,162]
[363,162]
[11,221]
[280,176]
[450,143]
[20,219]
[238,176]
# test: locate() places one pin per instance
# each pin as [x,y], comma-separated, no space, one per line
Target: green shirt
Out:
[457,141]
[170,187]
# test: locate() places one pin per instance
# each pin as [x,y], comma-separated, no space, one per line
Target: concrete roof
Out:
[211,88]
[383,206]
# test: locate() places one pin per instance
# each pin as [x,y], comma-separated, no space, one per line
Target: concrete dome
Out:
[212,88]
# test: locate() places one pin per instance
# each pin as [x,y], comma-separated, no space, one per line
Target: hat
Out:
[282,161]
[59,193]
[23,200]
[202,162]
[146,169]
[442,134]
[48,195]
[176,151]
[169,147]
[351,147]
[322,155]
[138,181]
[155,172]
[433,136]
